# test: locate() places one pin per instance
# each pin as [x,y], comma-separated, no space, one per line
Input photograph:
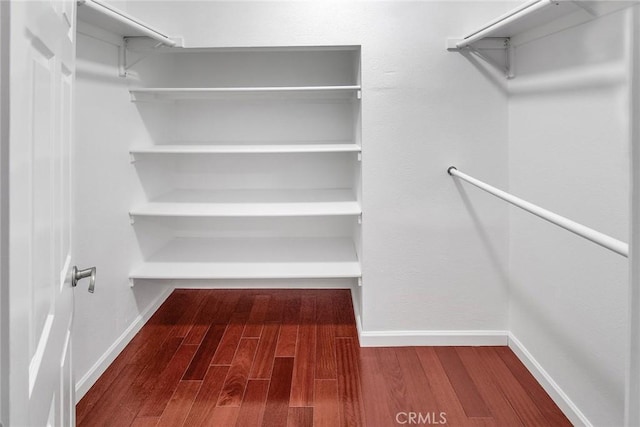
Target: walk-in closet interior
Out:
[460,172]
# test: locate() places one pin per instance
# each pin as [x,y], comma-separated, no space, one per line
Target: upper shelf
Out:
[527,16]
[151,94]
[116,21]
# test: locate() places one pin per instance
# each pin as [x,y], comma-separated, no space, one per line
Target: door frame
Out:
[4,209]
[632,391]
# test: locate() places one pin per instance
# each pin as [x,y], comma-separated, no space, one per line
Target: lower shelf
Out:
[251,203]
[252,258]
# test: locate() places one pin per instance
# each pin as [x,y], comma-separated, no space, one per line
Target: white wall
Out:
[104,189]
[4,209]
[569,152]
[435,256]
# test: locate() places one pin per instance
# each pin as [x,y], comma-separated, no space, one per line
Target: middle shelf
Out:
[341,147]
[252,258]
[251,203]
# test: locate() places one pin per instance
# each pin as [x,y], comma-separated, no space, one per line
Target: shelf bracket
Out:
[122,59]
[139,45]
[360,281]
[359,94]
[131,282]
[360,219]
[132,158]
[483,49]
[132,219]
[359,157]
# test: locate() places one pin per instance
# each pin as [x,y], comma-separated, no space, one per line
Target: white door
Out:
[41,61]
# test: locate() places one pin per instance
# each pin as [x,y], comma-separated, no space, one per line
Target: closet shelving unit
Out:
[248,180]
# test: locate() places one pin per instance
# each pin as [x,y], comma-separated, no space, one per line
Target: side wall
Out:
[103,237]
[434,256]
[569,152]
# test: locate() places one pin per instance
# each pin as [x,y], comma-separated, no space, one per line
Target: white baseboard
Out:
[431,338]
[88,379]
[550,386]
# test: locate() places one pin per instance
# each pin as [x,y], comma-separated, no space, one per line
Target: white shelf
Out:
[527,16]
[261,258]
[301,147]
[118,22]
[251,203]
[151,94]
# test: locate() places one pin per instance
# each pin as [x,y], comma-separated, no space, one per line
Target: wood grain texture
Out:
[446,398]
[263,363]
[205,402]
[180,404]
[512,389]
[300,417]
[253,404]
[500,408]
[325,339]
[349,388]
[203,356]
[376,397]
[291,358]
[470,398]
[326,408]
[229,343]
[255,322]
[303,369]
[277,406]
[166,383]
[289,328]
[547,407]
[238,375]
[145,422]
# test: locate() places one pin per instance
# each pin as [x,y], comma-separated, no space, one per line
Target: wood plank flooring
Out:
[291,358]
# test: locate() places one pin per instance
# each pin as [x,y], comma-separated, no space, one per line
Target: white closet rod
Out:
[505,21]
[601,239]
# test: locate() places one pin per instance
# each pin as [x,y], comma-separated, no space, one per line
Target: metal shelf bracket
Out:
[483,49]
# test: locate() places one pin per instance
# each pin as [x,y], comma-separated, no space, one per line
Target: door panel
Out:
[42,55]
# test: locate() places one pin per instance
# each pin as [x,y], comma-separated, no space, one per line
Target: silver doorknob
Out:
[77,275]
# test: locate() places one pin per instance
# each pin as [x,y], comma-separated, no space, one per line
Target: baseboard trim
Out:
[432,338]
[561,399]
[88,379]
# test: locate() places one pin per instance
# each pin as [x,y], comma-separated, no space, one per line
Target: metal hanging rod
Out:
[601,239]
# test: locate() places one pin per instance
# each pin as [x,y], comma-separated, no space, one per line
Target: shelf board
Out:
[248,148]
[525,17]
[164,93]
[252,258]
[115,21]
[251,203]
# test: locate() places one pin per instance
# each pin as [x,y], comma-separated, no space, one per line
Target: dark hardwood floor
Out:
[291,358]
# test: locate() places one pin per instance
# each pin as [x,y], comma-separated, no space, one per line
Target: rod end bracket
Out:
[450,168]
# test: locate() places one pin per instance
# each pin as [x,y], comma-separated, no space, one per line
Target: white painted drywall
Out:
[4,211]
[569,152]
[104,190]
[435,256]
